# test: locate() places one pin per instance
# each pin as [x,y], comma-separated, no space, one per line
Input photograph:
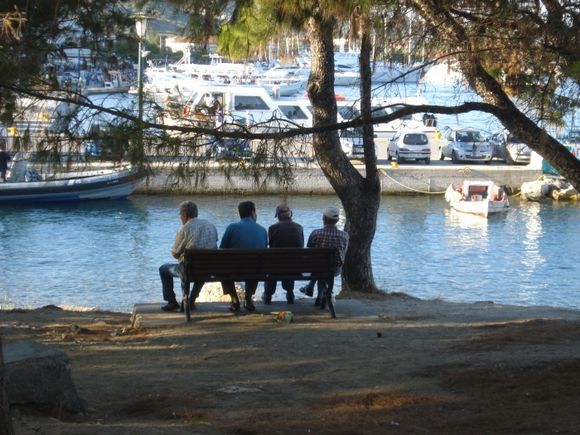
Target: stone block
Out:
[38,374]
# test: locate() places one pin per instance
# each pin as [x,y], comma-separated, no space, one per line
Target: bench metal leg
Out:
[185,301]
[328,295]
[325,294]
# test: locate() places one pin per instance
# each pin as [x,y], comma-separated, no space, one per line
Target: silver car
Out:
[465,144]
[510,149]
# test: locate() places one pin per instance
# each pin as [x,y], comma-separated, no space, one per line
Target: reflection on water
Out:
[107,253]
[532,257]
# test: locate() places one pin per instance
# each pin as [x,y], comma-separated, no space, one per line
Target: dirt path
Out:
[394,365]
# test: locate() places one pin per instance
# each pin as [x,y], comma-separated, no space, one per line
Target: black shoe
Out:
[235,307]
[308,291]
[317,302]
[290,296]
[171,306]
[249,305]
[267,298]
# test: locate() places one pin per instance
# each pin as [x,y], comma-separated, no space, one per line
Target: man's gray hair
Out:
[188,208]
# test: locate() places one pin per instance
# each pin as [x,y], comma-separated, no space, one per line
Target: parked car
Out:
[230,148]
[351,142]
[510,149]
[409,145]
[573,137]
[465,144]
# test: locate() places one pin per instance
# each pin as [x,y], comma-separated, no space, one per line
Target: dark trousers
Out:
[169,271]
[229,288]
[270,286]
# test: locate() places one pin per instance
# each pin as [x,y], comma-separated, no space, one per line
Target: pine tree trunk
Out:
[360,196]
[362,204]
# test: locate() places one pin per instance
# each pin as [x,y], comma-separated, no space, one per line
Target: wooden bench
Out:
[298,264]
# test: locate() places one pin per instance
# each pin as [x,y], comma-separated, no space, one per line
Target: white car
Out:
[409,145]
[465,144]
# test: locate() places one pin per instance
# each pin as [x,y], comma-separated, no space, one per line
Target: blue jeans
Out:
[167,272]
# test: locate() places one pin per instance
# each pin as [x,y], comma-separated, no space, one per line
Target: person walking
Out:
[284,234]
[329,236]
[193,233]
[246,233]
[4,159]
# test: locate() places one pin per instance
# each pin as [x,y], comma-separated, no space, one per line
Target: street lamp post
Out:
[141,28]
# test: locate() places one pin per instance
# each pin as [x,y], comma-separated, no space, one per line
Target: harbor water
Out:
[106,254]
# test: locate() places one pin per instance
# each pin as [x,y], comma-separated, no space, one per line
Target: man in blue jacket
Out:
[244,234]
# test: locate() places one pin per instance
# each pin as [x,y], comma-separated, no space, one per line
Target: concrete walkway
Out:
[394,308]
[151,315]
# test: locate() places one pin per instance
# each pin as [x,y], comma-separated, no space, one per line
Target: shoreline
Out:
[281,303]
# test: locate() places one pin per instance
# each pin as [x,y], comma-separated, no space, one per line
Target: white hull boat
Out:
[482,198]
[100,184]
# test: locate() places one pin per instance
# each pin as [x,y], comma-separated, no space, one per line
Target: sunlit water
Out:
[106,254]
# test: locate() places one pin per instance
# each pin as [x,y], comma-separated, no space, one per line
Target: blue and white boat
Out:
[29,187]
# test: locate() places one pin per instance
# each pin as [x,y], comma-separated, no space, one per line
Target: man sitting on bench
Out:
[194,233]
[328,237]
[244,234]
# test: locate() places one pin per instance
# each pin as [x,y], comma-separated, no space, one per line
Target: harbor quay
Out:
[308,179]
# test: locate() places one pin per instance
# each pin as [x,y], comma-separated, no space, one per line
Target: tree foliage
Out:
[34,32]
[521,58]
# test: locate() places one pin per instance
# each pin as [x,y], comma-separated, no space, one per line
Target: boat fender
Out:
[186,110]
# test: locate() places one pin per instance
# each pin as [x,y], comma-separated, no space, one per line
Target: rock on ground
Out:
[37,374]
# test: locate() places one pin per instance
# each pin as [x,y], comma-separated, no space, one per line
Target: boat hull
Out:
[113,185]
[477,204]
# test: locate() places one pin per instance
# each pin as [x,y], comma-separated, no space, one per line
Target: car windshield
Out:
[415,139]
[469,136]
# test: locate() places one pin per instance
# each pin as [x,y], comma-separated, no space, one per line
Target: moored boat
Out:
[477,197]
[116,183]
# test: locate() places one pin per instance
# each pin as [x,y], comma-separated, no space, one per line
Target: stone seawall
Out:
[401,180]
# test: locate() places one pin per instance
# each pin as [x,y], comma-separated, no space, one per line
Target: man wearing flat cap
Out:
[284,234]
[329,236]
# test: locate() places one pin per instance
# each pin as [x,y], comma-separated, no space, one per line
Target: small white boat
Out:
[477,197]
[78,186]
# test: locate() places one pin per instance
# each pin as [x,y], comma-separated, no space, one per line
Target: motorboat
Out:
[477,197]
[25,185]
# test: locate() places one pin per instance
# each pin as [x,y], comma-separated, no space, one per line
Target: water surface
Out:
[106,254]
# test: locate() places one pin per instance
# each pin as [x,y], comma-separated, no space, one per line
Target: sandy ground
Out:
[386,365]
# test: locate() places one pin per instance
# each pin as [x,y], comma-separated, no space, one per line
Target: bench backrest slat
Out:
[259,264]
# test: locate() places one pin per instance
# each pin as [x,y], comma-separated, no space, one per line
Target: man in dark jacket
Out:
[284,234]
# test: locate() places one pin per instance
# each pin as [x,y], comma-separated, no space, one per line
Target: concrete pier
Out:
[404,179]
